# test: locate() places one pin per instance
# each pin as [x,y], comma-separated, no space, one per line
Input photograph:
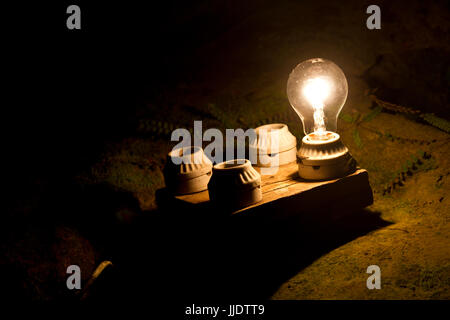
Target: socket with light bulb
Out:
[317,90]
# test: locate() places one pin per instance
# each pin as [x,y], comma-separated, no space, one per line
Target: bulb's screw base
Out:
[324,159]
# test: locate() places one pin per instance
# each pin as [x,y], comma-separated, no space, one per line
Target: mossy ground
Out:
[413,253]
[250,68]
[238,79]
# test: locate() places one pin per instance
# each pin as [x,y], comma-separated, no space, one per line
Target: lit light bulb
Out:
[317,90]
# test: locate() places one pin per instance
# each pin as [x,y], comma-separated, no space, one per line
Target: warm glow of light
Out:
[316,91]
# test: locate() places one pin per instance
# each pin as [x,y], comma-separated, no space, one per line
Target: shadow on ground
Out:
[187,255]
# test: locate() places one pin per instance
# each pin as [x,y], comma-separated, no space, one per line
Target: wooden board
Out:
[286,192]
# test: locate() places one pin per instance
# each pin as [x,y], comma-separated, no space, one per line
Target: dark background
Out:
[68,93]
[71,89]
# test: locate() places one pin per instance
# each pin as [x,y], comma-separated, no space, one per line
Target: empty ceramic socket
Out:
[235,184]
[275,145]
[187,170]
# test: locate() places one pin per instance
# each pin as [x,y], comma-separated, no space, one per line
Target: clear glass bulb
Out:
[317,90]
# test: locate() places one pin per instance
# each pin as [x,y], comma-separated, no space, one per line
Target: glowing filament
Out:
[316,91]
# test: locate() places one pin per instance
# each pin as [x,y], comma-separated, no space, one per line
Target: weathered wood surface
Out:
[285,192]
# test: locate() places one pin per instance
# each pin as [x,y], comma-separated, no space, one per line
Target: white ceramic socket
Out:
[187,170]
[235,184]
[275,145]
[324,159]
